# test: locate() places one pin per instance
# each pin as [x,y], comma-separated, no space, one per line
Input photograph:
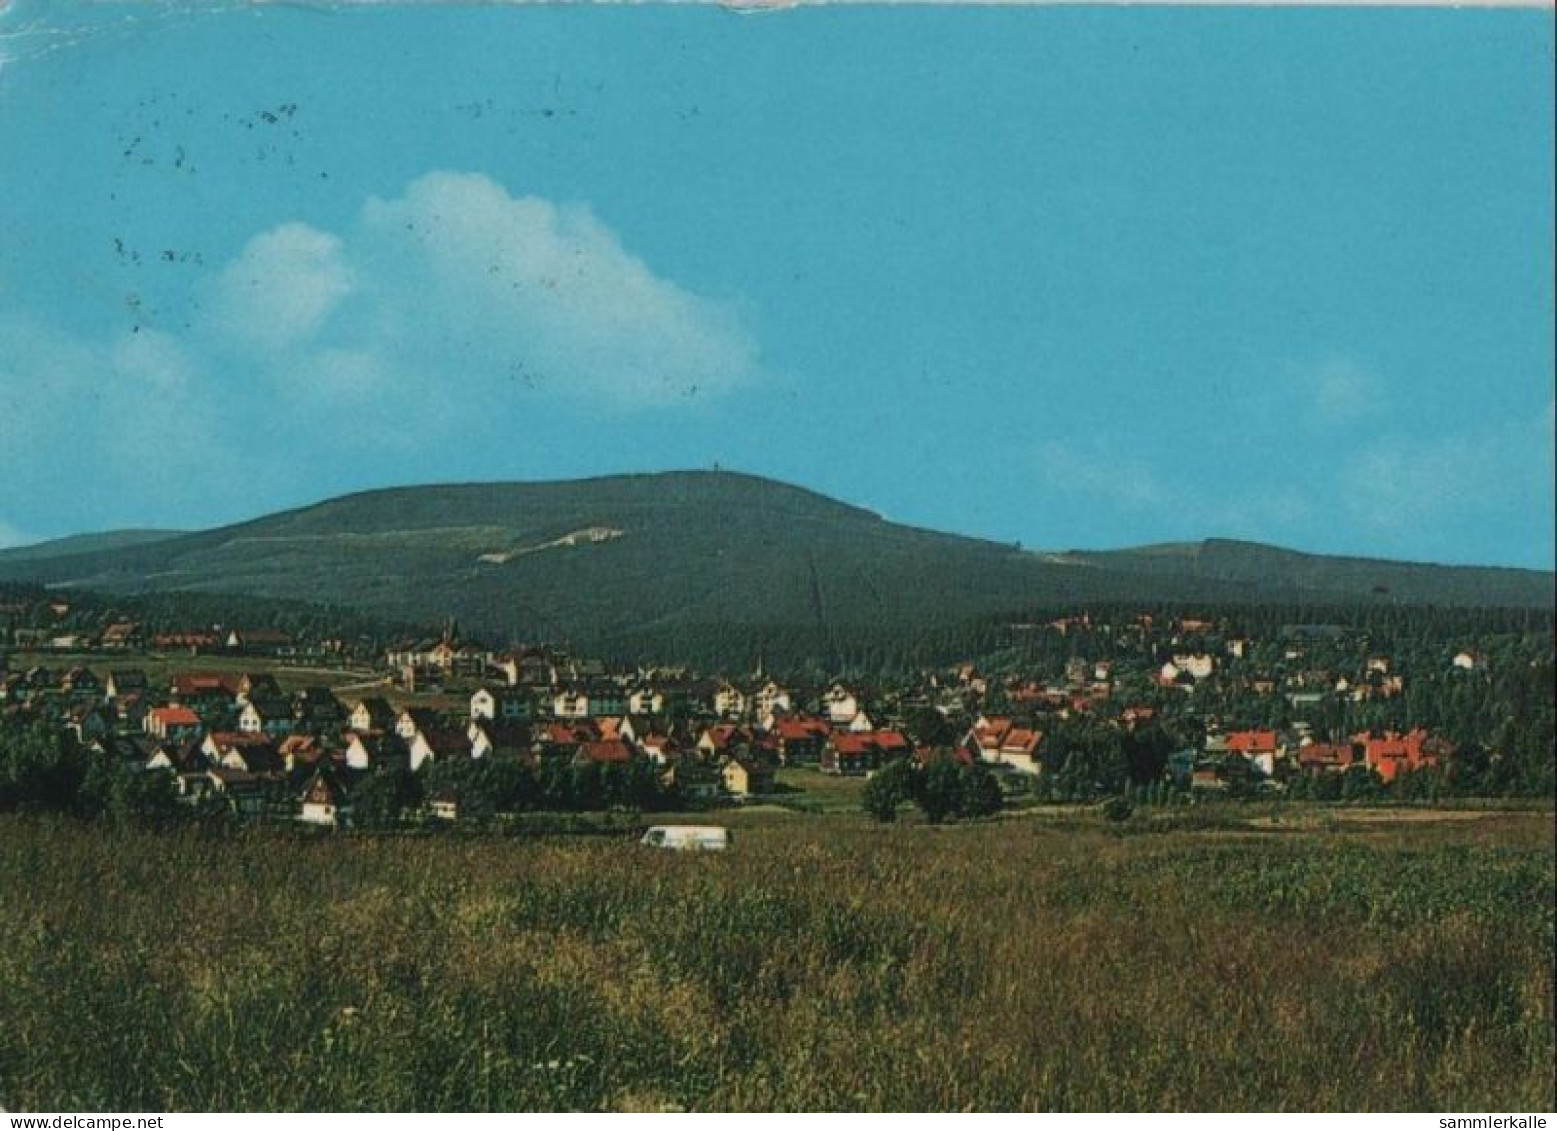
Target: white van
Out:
[693,838]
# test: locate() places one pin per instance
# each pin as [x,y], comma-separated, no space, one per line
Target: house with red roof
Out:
[849,754]
[1019,749]
[606,752]
[1002,741]
[721,740]
[203,689]
[854,755]
[985,737]
[1326,758]
[192,642]
[176,724]
[299,751]
[1261,748]
[1390,753]
[800,740]
[562,739]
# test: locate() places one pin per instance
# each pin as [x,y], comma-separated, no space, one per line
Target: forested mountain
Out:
[1226,560]
[638,562]
[85,544]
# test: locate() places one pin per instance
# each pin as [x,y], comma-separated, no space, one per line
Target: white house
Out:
[371,714]
[176,724]
[324,801]
[430,745]
[251,751]
[487,737]
[1001,742]
[509,666]
[378,751]
[498,705]
[840,704]
[770,699]
[266,717]
[413,720]
[570,704]
[1019,750]
[645,701]
[484,704]
[358,756]
[658,749]
[729,701]
[1198,665]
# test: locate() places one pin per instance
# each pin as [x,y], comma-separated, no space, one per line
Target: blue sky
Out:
[1075,277]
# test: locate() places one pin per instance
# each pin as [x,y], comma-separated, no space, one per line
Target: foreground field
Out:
[824,963]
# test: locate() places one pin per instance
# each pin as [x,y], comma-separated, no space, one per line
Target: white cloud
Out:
[1342,391]
[1322,394]
[282,287]
[12,536]
[453,310]
[458,282]
[156,362]
[1398,486]
[41,371]
[1199,498]
[344,374]
[1096,473]
[489,286]
[127,409]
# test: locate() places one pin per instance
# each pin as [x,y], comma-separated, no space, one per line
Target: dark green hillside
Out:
[595,559]
[86,544]
[643,560]
[1225,560]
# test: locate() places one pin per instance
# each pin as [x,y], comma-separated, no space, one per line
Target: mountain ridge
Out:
[614,559]
[87,543]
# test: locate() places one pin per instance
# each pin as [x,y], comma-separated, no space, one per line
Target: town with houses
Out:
[270,726]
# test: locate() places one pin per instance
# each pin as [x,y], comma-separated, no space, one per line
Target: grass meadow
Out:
[1039,962]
